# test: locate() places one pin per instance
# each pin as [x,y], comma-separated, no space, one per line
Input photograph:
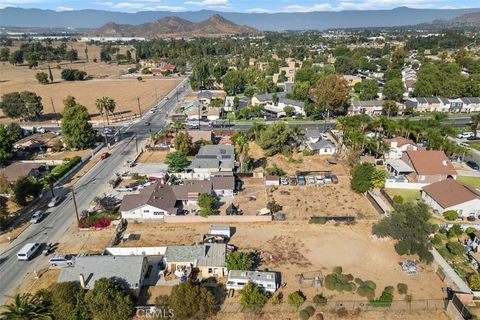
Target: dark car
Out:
[473,165]
[105,155]
[473,138]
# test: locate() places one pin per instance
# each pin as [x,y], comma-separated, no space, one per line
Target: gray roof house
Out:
[267,280]
[213,158]
[127,270]
[322,147]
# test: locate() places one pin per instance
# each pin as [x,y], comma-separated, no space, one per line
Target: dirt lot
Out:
[153,156]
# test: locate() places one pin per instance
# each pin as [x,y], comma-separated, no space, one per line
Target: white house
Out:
[451,195]
[397,146]
[322,147]
[267,280]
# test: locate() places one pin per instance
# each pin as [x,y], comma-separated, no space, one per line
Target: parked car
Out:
[55,200]
[283,180]
[465,145]
[28,250]
[301,180]
[473,165]
[41,130]
[124,189]
[37,216]
[311,180]
[47,249]
[105,155]
[319,180]
[466,135]
[62,260]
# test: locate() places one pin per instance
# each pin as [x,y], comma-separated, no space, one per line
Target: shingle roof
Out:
[157,195]
[223,183]
[428,162]
[401,141]
[191,188]
[206,255]
[126,270]
[449,193]
[20,169]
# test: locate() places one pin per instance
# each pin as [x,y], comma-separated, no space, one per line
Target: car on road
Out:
[28,250]
[466,135]
[55,200]
[193,126]
[41,130]
[62,260]
[146,123]
[465,145]
[473,138]
[37,216]
[473,165]
[105,155]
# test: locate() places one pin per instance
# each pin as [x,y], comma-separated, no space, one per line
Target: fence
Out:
[136,251]
[451,277]
[232,219]
[404,185]
[377,203]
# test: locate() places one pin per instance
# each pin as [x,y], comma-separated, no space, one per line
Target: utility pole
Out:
[105,136]
[139,109]
[75,206]
[54,112]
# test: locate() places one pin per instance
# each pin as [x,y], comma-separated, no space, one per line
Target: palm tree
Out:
[256,128]
[242,148]
[177,126]
[26,307]
[105,105]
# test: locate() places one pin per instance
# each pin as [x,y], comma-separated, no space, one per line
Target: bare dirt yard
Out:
[150,156]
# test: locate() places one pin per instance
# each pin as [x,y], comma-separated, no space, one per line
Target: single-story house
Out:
[190,190]
[313,135]
[429,165]
[223,186]
[322,147]
[153,202]
[129,271]
[398,167]
[213,114]
[23,169]
[208,258]
[199,135]
[267,280]
[451,195]
[352,80]
[397,146]
[37,142]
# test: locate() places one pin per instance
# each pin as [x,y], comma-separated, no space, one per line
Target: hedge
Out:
[60,170]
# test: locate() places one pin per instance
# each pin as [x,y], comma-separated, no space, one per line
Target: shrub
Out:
[342,312]
[60,170]
[102,223]
[445,253]
[277,299]
[398,199]
[408,298]
[275,171]
[474,281]
[403,247]
[402,288]
[307,153]
[320,300]
[367,289]
[385,299]
[73,74]
[455,231]
[437,241]
[338,270]
[296,299]
[450,215]
[304,315]
[456,248]
[470,231]
[317,220]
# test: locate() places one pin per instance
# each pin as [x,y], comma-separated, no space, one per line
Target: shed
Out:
[272,180]
[220,229]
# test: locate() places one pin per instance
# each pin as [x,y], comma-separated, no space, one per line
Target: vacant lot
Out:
[153,156]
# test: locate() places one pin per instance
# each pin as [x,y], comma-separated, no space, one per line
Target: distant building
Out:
[369,107]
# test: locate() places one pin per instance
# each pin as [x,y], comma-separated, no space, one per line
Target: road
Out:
[472,154]
[93,183]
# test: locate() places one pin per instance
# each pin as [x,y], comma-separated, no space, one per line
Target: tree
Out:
[69,102]
[393,90]
[6,143]
[233,82]
[50,75]
[239,260]
[67,301]
[344,65]
[252,296]
[330,93]
[206,202]
[42,77]
[275,138]
[183,142]
[23,105]
[16,57]
[4,54]
[200,74]
[25,188]
[242,147]
[361,177]
[450,215]
[105,105]
[3,210]
[398,58]
[301,90]
[188,300]
[390,108]
[455,231]
[77,132]
[5,186]
[368,90]
[273,206]
[176,161]
[26,307]
[109,300]
[289,111]
[296,299]
[71,55]
[409,225]
[456,248]
[73,74]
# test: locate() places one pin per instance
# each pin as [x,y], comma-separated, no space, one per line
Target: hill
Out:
[17,17]
[216,25]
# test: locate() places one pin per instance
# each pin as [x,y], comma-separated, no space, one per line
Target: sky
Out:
[269,6]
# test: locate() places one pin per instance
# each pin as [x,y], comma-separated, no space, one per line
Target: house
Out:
[201,135]
[152,202]
[352,80]
[313,135]
[278,108]
[451,195]
[208,258]
[213,114]
[229,103]
[429,165]
[267,280]
[272,180]
[223,186]
[188,192]
[38,142]
[205,96]
[369,107]
[129,271]
[397,146]
[23,169]
[193,110]
[398,167]
[471,104]
[266,98]
[214,158]
[287,86]
[322,147]
[430,104]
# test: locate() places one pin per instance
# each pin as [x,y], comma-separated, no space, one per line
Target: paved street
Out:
[93,183]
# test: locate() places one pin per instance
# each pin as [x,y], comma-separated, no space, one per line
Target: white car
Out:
[310,180]
[466,135]
[124,189]
[55,200]
[37,217]
[319,180]
[283,181]
[41,130]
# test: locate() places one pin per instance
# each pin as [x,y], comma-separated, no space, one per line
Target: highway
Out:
[93,183]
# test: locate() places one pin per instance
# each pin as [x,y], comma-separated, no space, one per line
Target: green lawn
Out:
[469,181]
[474,145]
[407,194]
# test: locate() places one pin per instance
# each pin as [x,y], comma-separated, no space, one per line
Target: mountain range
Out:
[321,20]
[216,25]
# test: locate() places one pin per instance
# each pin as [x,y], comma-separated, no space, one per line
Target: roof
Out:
[427,162]
[269,96]
[399,165]
[205,94]
[204,163]
[367,103]
[206,255]
[448,193]
[157,195]
[313,133]
[401,141]
[198,135]
[217,150]
[191,189]
[272,178]
[321,144]
[223,183]
[292,102]
[36,140]
[126,270]
[20,169]
[253,276]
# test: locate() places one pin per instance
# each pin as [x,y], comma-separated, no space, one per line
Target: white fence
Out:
[222,219]
[404,185]
[136,251]
[47,162]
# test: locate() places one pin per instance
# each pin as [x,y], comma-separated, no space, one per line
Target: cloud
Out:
[209,3]
[64,8]
[167,8]
[258,10]
[121,5]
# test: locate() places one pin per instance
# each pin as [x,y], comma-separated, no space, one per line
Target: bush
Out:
[277,299]
[403,247]
[60,170]
[296,299]
[398,199]
[73,74]
[474,281]
[320,300]
[366,289]
[470,231]
[275,171]
[338,270]
[455,231]
[317,220]
[385,299]
[445,253]
[450,215]
[342,312]
[402,288]
[437,241]
[307,153]
[456,248]
[304,315]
